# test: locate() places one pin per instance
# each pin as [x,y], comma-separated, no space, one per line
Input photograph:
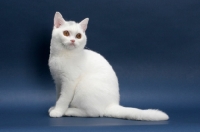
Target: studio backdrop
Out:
[152,45]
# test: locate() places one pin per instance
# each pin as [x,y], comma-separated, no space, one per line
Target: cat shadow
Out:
[41,55]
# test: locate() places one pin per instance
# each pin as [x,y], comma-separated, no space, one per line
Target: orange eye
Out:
[66,33]
[78,35]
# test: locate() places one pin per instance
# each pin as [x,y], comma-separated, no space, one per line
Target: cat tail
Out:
[118,111]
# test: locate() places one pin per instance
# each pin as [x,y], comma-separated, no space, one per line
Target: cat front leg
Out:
[62,104]
[58,90]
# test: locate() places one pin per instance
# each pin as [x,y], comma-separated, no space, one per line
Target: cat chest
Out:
[61,67]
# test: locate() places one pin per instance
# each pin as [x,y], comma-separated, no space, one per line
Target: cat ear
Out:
[84,24]
[58,20]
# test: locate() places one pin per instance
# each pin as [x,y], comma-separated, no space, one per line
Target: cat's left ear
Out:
[58,20]
[84,24]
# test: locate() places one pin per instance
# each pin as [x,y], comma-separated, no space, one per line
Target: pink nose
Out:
[72,41]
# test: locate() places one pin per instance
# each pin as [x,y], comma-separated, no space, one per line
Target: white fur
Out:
[86,84]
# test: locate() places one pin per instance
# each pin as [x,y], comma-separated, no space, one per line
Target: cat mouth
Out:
[69,46]
[72,44]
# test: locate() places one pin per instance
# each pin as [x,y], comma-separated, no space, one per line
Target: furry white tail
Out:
[118,111]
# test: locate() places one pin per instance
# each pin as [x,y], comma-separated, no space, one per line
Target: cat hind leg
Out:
[75,112]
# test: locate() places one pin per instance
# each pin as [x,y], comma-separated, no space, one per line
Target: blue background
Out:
[153,46]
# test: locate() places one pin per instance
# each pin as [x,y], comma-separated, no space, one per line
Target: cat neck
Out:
[66,53]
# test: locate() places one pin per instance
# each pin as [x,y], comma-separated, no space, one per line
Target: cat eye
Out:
[66,33]
[78,35]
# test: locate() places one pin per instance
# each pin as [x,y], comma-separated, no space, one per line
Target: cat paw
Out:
[50,109]
[55,113]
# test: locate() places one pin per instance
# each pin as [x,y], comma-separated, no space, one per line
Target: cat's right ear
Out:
[58,20]
[84,24]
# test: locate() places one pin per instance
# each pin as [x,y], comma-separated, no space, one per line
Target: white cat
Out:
[86,84]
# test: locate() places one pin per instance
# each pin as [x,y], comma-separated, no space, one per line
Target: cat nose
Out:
[72,40]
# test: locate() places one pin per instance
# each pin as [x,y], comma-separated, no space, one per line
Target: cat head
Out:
[68,35]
